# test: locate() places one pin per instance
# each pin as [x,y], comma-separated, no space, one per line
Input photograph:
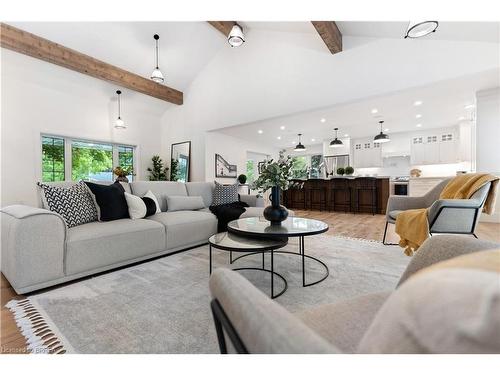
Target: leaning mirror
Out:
[180,161]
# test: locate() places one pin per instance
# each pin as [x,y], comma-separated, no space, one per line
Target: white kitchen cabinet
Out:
[417,150]
[434,149]
[448,147]
[367,154]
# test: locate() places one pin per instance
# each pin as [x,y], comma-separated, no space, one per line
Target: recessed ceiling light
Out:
[374,110]
[312,140]
[461,118]
[417,103]
[470,106]
[293,142]
[418,116]
[418,29]
[419,125]
[323,120]
[278,137]
[282,127]
[346,135]
[260,131]
[386,129]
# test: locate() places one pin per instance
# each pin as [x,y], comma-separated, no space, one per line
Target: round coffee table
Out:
[249,245]
[259,227]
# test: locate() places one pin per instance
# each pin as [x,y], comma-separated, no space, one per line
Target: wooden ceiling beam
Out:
[330,33]
[32,45]
[223,26]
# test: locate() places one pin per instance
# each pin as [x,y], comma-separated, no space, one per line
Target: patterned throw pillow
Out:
[224,194]
[74,204]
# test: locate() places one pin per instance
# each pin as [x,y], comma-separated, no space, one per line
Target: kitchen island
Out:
[342,194]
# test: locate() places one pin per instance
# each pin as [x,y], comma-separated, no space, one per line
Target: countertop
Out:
[430,178]
[339,177]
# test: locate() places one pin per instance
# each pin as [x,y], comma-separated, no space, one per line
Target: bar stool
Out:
[317,195]
[340,186]
[368,184]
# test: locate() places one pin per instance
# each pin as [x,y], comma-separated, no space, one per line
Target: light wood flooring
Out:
[348,225]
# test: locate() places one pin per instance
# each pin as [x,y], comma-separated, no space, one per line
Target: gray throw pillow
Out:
[225,194]
[183,203]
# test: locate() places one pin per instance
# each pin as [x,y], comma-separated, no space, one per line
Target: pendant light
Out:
[336,142]
[420,28]
[119,123]
[300,147]
[236,37]
[157,76]
[381,138]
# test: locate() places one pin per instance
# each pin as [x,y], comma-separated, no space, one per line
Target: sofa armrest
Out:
[252,200]
[33,246]
[399,202]
[443,247]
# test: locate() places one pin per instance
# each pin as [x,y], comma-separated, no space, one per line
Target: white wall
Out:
[233,150]
[39,97]
[488,138]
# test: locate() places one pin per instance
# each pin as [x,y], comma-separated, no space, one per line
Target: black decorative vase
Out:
[275,213]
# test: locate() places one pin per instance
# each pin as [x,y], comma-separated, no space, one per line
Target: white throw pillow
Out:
[136,207]
[150,194]
[183,203]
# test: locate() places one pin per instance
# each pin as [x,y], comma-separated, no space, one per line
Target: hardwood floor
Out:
[349,225]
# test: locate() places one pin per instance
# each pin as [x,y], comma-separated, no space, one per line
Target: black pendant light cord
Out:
[119,104]
[156,36]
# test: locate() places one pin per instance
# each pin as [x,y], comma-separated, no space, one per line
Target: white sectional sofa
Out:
[39,251]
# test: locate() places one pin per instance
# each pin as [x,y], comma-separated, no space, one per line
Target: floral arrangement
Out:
[274,174]
[123,172]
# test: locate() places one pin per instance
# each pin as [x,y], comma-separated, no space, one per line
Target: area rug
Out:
[162,306]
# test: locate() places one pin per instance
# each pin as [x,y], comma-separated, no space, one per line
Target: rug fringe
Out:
[39,337]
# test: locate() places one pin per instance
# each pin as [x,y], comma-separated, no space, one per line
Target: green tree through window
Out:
[91,161]
[52,159]
[250,171]
[126,159]
[299,167]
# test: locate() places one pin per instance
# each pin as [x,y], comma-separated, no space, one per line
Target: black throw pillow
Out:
[150,206]
[111,201]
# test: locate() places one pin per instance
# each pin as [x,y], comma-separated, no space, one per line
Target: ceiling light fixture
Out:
[346,135]
[260,131]
[300,147]
[374,110]
[323,120]
[418,116]
[461,118]
[282,127]
[381,137]
[119,123]
[157,76]
[336,142]
[278,137]
[417,103]
[419,125]
[420,28]
[236,37]
[470,106]
[313,140]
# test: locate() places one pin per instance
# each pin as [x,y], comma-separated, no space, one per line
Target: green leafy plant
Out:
[274,174]
[242,178]
[158,172]
[340,171]
[174,170]
[349,170]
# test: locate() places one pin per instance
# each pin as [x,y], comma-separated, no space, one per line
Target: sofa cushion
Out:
[111,201]
[202,189]
[185,228]
[98,244]
[344,323]
[225,194]
[161,189]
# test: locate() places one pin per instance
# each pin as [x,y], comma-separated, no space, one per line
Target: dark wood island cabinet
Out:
[343,194]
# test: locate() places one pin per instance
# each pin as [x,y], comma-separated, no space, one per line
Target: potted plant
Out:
[242,179]
[340,171]
[122,173]
[349,170]
[275,175]
[158,172]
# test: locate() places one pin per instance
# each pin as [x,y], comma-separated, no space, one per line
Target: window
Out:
[52,159]
[316,161]
[126,159]
[73,159]
[250,171]
[299,167]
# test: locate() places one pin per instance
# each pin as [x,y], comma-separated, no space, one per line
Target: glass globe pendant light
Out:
[236,37]
[119,123]
[157,76]
[420,28]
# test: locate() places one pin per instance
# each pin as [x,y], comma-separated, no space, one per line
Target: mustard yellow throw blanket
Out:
[412,225]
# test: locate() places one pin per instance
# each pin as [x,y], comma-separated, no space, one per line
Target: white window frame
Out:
[68,141]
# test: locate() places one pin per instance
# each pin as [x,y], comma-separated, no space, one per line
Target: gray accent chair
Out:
[255,324]
[453,216]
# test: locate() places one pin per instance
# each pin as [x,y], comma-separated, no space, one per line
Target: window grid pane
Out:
[52,159]
[91,161]
[126,159]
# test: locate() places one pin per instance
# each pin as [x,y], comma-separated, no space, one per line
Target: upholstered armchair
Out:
[454,216]
[248,321]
